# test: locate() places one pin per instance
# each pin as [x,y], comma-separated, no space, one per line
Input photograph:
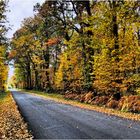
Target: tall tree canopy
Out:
[3,45]
[80,46]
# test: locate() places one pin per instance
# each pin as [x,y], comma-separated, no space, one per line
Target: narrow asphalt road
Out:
[48,119]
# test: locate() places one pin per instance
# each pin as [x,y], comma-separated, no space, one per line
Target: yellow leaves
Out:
[37,60]
[70,67]
[3,67]
[138,91]
[3,77]
[12,125]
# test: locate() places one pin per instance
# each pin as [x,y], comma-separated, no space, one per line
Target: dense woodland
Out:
[80,47]
[3,47]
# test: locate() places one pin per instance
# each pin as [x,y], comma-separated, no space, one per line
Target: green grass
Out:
[53,95]
[2,96]
[3,99]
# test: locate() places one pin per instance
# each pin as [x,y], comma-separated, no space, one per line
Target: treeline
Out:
[3,46]
[79,46]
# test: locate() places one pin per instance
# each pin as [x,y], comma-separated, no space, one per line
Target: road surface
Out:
[48,119]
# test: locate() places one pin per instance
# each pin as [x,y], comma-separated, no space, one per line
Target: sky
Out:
[19,9]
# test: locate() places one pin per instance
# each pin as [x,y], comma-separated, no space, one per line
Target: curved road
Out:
[48,119]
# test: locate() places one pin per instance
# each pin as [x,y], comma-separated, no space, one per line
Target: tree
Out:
[116,39]
[3,46]
[80,46]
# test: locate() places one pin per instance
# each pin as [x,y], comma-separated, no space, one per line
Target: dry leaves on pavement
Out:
[12,125]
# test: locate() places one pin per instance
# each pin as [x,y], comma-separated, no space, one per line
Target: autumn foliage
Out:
[89,51]
[3,47]
[12,125]
[53,41]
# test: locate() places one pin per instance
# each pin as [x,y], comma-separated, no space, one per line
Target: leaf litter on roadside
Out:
[12,125]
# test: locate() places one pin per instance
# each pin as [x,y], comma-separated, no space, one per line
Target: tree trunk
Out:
[47,60]
[117,94]
[36,80]
[29,79]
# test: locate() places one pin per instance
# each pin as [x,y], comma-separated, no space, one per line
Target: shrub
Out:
[88,97]
[112,104]
[70,96]
[101,100]
[130,103]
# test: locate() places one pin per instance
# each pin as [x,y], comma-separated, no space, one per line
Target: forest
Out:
[3,47]
[87,50]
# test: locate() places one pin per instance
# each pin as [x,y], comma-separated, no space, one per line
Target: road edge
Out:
[21,115]
[107,111]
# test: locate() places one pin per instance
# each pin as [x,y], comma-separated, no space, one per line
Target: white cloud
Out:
[19,9]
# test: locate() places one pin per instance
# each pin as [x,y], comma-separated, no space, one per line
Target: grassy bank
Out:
[60,98]
[12,125]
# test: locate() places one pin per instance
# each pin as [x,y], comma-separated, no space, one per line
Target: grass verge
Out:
[12,125]
[59,98]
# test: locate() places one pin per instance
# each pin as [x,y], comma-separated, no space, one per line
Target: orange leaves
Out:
[53,41]
[12,54]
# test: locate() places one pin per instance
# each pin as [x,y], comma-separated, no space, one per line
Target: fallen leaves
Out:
[12,125]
